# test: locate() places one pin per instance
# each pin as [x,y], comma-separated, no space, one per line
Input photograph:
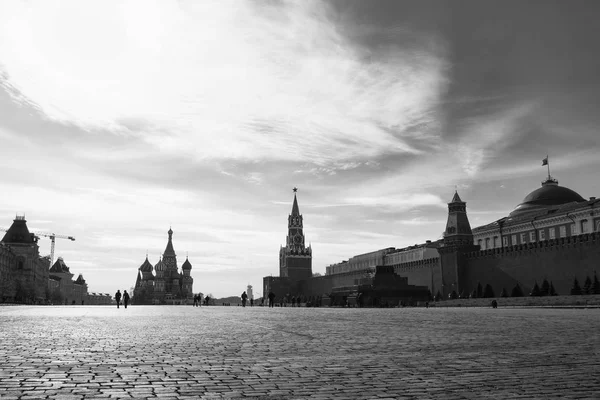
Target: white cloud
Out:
[218,79]
[486,136]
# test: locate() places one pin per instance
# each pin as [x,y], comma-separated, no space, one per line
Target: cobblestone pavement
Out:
[182,352]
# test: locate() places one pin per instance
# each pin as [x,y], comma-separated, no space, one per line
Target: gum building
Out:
[23,272]
[27,277]
[163,283]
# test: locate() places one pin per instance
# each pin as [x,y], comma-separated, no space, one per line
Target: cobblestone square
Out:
[177,352]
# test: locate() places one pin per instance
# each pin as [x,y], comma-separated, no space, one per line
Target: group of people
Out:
[125,298]
[198,300]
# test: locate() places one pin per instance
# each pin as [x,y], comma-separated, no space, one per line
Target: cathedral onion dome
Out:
[160,266]
[186,265]
[549,195]
[146,266]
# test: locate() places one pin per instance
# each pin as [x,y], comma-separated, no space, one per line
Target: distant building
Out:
[552,235]
[65,290]
[549,212]
[295,259]
[23,273]
[168,286]
[26,277]
[99,299]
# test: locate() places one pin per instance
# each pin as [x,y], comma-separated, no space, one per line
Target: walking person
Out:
[271,299]
[244,298]
[125,298]
[118,298]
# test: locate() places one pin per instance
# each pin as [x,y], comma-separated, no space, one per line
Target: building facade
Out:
[168,285]
[295,258]
[65,290]
[27,277]
[552,235]
[23,273]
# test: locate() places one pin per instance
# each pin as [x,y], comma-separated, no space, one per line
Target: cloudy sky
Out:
[120,119]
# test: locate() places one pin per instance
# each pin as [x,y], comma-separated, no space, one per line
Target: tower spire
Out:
[295,209]
[458,229]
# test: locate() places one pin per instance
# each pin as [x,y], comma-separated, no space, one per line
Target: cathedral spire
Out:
[169,251]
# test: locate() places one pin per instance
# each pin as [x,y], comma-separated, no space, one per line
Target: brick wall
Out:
[560,261]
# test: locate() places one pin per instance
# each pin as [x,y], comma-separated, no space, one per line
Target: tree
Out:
[596,285]
[473,294]
[438,296]
[552,290]
[479,290]
[517,291]
[488,291]
[545,289]
[587,285]
[576,289]
[535,291]
[503,293]
[453,295]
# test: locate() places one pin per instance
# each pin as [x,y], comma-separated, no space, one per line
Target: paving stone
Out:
[298,353]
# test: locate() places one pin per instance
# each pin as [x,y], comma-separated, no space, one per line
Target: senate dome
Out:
[549,195]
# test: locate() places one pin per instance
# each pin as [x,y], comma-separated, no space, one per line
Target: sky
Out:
[122,119]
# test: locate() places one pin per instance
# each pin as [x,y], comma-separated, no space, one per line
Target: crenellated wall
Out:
[557,260]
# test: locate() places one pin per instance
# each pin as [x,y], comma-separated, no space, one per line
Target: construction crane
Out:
[53,237]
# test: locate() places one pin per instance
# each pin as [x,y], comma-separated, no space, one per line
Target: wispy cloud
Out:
[483,137]
[225,79]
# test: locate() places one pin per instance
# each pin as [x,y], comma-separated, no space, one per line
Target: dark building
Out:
[168,286]
[552,235]
[295,259]
[23,273]
[376,286]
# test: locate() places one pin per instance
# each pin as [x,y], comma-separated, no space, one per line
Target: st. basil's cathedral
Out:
[168,285]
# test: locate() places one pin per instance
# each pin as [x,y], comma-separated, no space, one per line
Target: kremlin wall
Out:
[553,235]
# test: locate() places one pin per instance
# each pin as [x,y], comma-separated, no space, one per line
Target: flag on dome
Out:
[545,161]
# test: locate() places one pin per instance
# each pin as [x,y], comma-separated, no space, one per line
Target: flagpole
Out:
[548,165]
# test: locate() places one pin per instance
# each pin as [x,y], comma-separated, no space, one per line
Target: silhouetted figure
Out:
[118,298]
[494,304]
[271,299]
[125,298]
[206,299]
[293,301]
[195,300]
[244,298]
[251,302]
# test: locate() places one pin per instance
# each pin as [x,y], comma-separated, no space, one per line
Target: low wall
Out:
[546,301]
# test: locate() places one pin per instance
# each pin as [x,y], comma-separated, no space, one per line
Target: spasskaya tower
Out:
[295,259]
